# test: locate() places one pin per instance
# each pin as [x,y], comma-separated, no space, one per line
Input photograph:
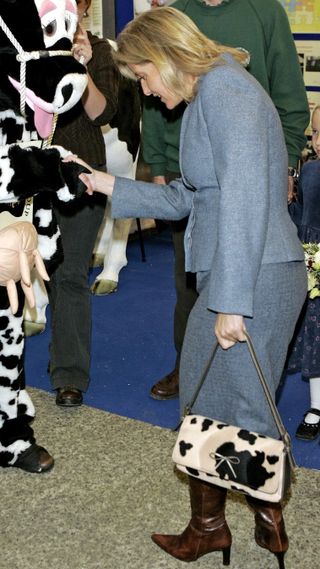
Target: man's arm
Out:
[287,88]
[152,135]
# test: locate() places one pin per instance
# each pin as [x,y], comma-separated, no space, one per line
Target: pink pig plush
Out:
[18,256]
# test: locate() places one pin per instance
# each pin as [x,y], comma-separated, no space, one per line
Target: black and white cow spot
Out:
[5,458]
[206,424]
[246,466]
[4,322]
[192,471]
[184,447]
[9,362]
[247,436]
[272,459]
[22,409]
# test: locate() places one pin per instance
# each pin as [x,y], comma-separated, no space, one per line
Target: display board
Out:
[93,21]
[304,15]
[304,19]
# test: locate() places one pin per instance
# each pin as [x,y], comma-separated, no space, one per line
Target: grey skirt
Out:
[232,391]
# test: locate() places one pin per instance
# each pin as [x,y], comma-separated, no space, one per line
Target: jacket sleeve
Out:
[132,198]
[237,126]
[106,78]
[287,89]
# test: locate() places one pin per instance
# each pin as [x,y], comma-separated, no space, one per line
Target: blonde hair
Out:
[172,42]
[317,108]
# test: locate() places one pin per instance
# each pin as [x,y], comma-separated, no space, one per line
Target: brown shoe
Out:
[68,397]
[167,387]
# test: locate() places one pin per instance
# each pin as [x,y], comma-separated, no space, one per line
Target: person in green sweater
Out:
[262,28]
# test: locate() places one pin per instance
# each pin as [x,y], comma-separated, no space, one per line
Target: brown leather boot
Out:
[167,387]
[207,530]
[270,531]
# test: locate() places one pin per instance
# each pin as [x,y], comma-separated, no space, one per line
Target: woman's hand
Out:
[229,330]
[97,181]
[81,49]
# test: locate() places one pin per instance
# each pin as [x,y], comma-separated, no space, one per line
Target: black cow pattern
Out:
[238,464]
[28,170]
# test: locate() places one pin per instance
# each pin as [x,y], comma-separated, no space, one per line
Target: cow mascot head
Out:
[39,79]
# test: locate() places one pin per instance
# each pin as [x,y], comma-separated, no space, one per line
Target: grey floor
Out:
[113,484]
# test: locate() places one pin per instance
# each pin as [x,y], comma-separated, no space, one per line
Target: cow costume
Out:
[39,79]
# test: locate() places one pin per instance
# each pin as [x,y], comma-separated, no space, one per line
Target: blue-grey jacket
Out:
[233,188]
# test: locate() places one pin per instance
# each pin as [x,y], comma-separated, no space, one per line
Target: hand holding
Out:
[229,330]
[81,49]
[94,180]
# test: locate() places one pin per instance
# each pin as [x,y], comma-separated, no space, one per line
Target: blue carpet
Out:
[132,347]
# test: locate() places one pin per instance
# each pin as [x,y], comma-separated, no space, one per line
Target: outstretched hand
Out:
[86,176]
[94,180]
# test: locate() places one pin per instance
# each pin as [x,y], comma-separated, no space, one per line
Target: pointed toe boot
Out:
[207,530]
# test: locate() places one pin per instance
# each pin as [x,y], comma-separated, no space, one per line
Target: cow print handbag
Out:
[232,457]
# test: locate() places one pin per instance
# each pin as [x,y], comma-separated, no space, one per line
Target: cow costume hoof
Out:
[33,328]
[103,287]
[35,459]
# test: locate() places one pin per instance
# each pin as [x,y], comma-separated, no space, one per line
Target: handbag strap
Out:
[275,413]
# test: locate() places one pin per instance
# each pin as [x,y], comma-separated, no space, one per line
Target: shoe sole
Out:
[164,397]
[68,404]
[310,439]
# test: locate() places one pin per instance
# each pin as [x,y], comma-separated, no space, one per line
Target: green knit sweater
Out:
[261,27]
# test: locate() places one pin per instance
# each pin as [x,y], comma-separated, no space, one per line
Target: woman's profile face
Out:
[151,84]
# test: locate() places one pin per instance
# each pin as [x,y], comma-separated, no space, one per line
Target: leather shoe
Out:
[309,431]
[69,397]
[35,459]
[167,387]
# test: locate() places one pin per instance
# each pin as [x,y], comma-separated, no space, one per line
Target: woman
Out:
[239,241]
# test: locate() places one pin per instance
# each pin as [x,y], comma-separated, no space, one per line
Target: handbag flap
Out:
[230,453]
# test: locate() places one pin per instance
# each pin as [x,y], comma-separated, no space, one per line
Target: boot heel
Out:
[226,552]
[280,557]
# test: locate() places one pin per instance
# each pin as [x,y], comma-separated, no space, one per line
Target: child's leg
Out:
[309,428]
[314,400]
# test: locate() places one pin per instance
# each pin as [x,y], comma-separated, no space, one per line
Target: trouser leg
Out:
[185,284]
[69,294]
